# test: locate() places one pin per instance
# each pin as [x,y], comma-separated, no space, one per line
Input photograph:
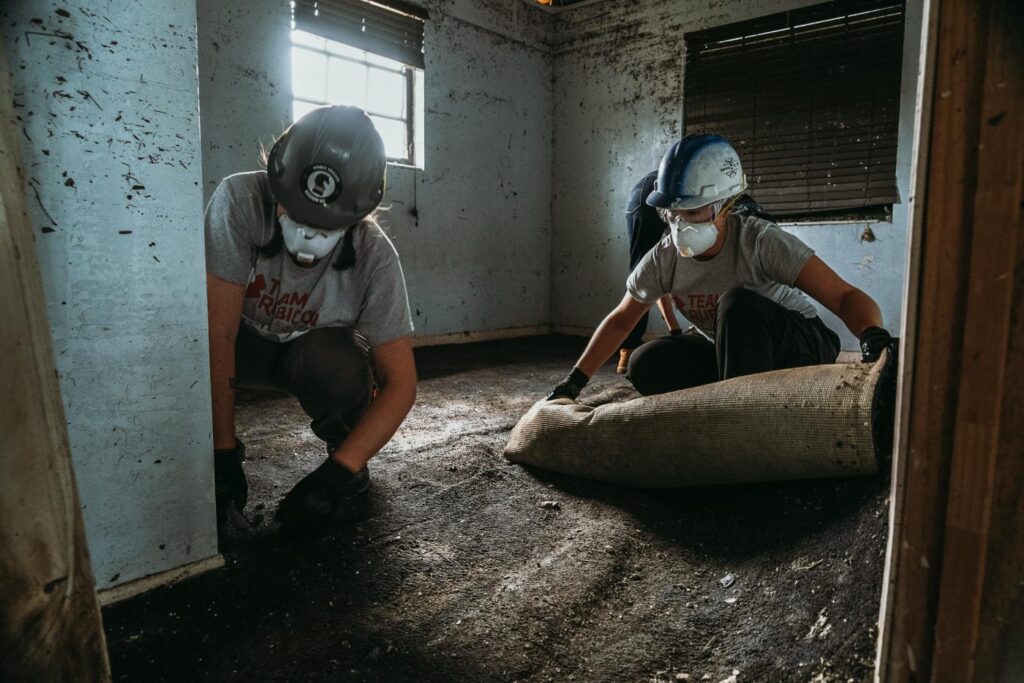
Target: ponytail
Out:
[273,247]
[347,258]
[745,204]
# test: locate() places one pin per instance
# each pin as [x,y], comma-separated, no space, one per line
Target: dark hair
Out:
[745,204]
[347,258]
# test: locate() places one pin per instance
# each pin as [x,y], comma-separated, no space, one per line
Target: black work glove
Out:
[309,507]
[230,485]
[571,386]
[872,341]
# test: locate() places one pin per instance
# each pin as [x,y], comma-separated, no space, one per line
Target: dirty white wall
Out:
[106,96]
[244,83]
[536,127]
[473,227]
[618,73]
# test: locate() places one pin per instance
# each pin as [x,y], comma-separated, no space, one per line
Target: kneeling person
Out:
[740,279]
[306,294]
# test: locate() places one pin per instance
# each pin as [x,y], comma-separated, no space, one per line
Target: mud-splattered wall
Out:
[106,97]
[473,226]
[618,106]
[244,83]
[536,126]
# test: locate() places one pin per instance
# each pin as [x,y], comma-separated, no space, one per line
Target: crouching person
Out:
[744,284]
[306,294]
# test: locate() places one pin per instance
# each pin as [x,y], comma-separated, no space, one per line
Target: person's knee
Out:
[330,364]
[740,307]
[644,370]
[345,388]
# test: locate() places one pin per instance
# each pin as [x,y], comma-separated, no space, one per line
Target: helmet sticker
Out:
[321,184]
[730,166]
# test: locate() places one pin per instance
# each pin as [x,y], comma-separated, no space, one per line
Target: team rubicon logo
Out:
[321,184]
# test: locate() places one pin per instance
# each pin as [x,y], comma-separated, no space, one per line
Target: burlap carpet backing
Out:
[788,424]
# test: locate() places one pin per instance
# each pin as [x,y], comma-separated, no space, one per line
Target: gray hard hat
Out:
[327,169]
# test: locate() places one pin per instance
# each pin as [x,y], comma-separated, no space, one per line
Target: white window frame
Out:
[412,117]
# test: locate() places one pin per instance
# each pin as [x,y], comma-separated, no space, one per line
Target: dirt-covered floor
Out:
[462,567]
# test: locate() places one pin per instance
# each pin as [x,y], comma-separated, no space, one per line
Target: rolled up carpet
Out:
[801,423]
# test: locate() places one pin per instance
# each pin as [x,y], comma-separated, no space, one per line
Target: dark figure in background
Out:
[645,229]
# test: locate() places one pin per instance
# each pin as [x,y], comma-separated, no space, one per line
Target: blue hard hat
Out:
[697,171]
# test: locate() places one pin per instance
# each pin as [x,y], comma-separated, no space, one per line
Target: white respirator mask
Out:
[307,244]
[693,239]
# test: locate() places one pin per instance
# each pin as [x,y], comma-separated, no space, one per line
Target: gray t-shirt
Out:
[757,255]
[284,300]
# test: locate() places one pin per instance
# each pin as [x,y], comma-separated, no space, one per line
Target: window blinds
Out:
[388,28]
[809,98]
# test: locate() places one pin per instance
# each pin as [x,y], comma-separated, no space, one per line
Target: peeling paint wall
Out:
[106,96]
[618,73]
[473,226]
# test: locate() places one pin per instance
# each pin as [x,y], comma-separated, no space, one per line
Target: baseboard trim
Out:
[147,583]
[487,335]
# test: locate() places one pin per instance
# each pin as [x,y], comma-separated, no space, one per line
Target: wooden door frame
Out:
[956,544]
[50,625]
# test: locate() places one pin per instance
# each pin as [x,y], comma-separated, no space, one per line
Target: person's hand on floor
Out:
[571,386]
[311,505]
[231,489]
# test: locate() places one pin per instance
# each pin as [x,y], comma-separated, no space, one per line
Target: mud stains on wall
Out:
[536,127]
[106,98]
[244,83]
[472,227]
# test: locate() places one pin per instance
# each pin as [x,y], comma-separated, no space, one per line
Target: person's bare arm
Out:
[396,372]
[610,334]
[667,308]
[224,310]
[857,310]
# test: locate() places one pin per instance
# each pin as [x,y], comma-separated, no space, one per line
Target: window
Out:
[810,100]
[365,55]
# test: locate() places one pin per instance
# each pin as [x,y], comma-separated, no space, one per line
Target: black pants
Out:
[753,334]
[645,230]
[328,370]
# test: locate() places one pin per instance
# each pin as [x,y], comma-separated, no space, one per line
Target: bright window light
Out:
[327,72]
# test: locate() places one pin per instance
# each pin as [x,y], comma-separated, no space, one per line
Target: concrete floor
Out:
[453,570]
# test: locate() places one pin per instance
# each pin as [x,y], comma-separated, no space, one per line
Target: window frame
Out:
[407,72]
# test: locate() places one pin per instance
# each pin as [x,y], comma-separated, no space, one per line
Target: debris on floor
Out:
[458,570]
